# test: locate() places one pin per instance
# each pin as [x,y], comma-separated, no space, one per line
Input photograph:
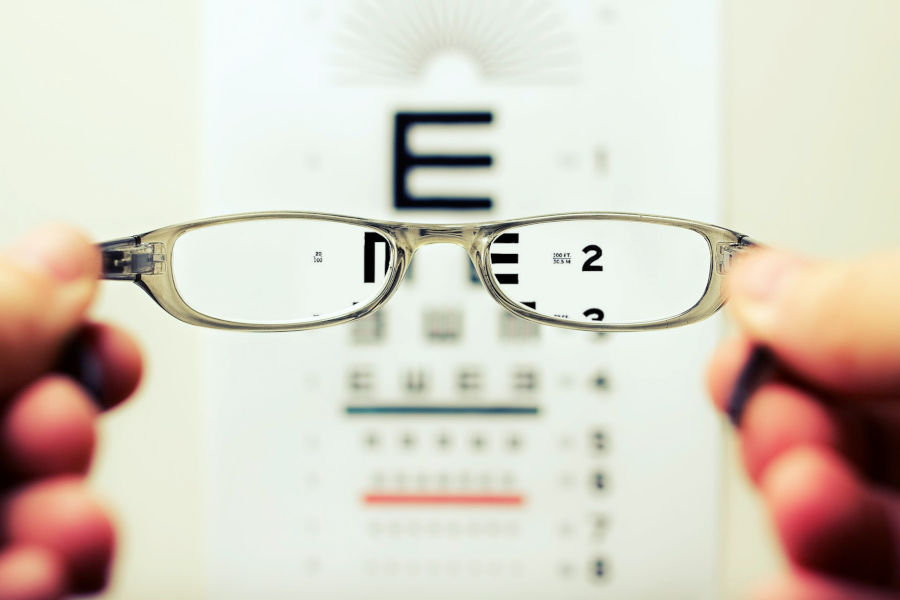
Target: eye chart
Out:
[442,448]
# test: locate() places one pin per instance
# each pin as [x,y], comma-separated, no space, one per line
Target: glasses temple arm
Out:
[128,259]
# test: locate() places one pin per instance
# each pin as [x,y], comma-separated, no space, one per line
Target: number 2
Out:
[589,263]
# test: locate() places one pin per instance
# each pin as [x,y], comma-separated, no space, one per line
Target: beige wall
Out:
[99,125]
[813,124]
[813,164]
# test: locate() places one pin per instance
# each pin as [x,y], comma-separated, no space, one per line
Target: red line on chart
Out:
[445,499]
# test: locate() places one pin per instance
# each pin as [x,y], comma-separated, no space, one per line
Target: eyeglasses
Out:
[288,271]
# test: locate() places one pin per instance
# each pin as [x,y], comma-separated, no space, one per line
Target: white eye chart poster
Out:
[442,448]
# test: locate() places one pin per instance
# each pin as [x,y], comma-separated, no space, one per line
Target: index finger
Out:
[833,323]
[47,281]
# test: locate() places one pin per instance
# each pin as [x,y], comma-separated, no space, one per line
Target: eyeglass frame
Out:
[143,259]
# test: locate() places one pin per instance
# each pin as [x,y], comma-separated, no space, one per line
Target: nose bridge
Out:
[418,235]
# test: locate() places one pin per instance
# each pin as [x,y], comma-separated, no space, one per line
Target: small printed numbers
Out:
[317,257]
[598,440]
[599,526]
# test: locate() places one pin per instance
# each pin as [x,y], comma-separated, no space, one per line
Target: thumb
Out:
[837,324]
[47,280]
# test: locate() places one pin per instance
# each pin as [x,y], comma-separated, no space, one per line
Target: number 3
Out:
[589,263]
[596,313]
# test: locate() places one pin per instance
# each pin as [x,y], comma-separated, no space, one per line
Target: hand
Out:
[821,438]
[57,539]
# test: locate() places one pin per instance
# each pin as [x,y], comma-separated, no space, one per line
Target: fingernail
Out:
[56,251]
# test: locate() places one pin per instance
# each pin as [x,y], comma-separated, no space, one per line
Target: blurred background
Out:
[102,124]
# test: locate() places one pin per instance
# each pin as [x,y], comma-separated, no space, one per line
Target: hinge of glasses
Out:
[128,258]
[727,251]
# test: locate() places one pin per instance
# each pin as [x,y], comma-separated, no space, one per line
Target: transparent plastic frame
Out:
[144,259]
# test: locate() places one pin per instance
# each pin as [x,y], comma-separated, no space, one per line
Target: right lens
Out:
[610,270]
[278,271]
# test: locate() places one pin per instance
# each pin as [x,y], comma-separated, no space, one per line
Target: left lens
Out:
[277,271]
[615,271]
